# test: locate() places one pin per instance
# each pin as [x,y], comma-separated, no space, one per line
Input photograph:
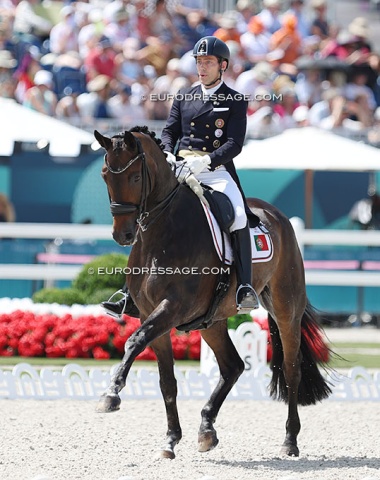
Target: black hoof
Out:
[207,441]
[108,403]
[290,450]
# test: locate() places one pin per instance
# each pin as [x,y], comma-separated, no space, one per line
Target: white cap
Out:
[43,77]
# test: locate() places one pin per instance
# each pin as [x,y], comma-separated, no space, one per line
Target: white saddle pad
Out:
[261,242]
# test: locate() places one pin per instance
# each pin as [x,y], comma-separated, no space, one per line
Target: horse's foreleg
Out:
[163,349]
[231,366]
[157,324]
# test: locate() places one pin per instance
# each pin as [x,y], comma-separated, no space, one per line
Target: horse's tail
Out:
[313,387]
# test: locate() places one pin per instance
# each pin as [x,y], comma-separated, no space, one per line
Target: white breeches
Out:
[221,181]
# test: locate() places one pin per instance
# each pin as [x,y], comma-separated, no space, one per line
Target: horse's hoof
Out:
[108,403]
[290,451]
[167,454]
[207,441]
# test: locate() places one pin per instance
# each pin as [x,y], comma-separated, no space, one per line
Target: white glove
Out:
[196,188]
[171,159]
[198,163]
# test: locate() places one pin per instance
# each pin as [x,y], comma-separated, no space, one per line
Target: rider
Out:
[209,122]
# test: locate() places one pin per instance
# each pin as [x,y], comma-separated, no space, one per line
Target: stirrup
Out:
[117,316]
[249,302]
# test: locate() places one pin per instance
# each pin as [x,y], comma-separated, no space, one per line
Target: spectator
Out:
[129,68]
[287,40]
[67,107]
[101,60]
[301,116]
[320,25]
[91,32]
[64,35]
[41,96]
[24,74]
[95,103]
[119,29]
[246,9]
[121,108]
[7,65]
[7,213]
[358,86]
[374,132]
[28,26]
[255,42]
[286,105]
[227,30]
[303,24]
[260,74]
[308,86]
[270,15]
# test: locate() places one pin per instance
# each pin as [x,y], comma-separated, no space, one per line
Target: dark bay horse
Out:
[166,224]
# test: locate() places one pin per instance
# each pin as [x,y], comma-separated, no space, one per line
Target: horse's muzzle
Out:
[125,238]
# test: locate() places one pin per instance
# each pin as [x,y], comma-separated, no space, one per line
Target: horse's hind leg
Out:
[286,366]
[163,349]
[231,366]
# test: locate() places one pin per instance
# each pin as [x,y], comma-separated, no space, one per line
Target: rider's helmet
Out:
[212,46]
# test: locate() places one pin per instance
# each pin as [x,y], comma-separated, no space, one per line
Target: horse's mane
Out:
[145,129]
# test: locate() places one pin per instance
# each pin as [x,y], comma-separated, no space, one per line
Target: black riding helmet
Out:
[212,46]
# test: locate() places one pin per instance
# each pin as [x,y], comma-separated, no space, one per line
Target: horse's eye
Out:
[136,178]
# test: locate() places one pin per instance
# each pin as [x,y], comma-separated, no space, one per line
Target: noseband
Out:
[129,207]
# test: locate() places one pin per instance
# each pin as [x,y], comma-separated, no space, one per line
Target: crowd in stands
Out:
[124,59]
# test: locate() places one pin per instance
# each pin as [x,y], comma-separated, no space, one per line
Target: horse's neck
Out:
[163,180]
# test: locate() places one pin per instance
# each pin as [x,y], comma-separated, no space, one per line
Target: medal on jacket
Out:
[219,123]
[218,133]
[216,143]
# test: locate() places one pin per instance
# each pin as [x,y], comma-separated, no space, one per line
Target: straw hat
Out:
[262,71]
[98,83]
[228,19]
[359,27]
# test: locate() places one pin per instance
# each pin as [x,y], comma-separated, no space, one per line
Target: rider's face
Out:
[208,69]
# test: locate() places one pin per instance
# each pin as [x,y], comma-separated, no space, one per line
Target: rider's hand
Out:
[171,159]
[198,163]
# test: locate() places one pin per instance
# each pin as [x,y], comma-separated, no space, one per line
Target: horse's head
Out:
[127,180]
[130,171]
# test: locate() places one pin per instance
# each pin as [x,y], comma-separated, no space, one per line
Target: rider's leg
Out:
[124,305]
[246,297]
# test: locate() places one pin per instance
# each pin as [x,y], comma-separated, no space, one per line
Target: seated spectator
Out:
[347,47]
[67,107]
[265,122]
[301,116]
[286,105]
[7,65]
[227,30]
[358,86]
[119,29]
[255,42]
[24,74]
[308,86]
[297,8]
[270,15]
[95,103]
[260,74]
[374,132]
[287,41]
[246,10]
[41,96]
[64,35]
[91,32]
[121,108]
[129,68]
[101,60]
[29,27]
[320,25]
[7,213]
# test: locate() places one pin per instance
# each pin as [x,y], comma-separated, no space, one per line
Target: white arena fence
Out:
[56,271]
[74,382]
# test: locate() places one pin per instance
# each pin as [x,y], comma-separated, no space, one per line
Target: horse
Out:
[165,223]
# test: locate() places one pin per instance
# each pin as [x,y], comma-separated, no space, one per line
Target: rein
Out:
[128,207]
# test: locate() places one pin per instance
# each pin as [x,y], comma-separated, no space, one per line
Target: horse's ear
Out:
[129,141]
[105,142]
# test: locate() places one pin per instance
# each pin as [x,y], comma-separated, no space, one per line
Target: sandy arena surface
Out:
[67,440]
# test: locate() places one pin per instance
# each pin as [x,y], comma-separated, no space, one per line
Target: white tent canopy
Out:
[18,123]
[308,148]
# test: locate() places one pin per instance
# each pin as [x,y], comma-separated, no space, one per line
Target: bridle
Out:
[129,207]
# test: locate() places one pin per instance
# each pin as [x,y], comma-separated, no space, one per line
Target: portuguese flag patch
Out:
[261,243]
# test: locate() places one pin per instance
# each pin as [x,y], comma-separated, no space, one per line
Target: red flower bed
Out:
[30,335]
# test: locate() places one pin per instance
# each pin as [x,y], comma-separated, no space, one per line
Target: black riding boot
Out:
[246,297]
[125,305]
